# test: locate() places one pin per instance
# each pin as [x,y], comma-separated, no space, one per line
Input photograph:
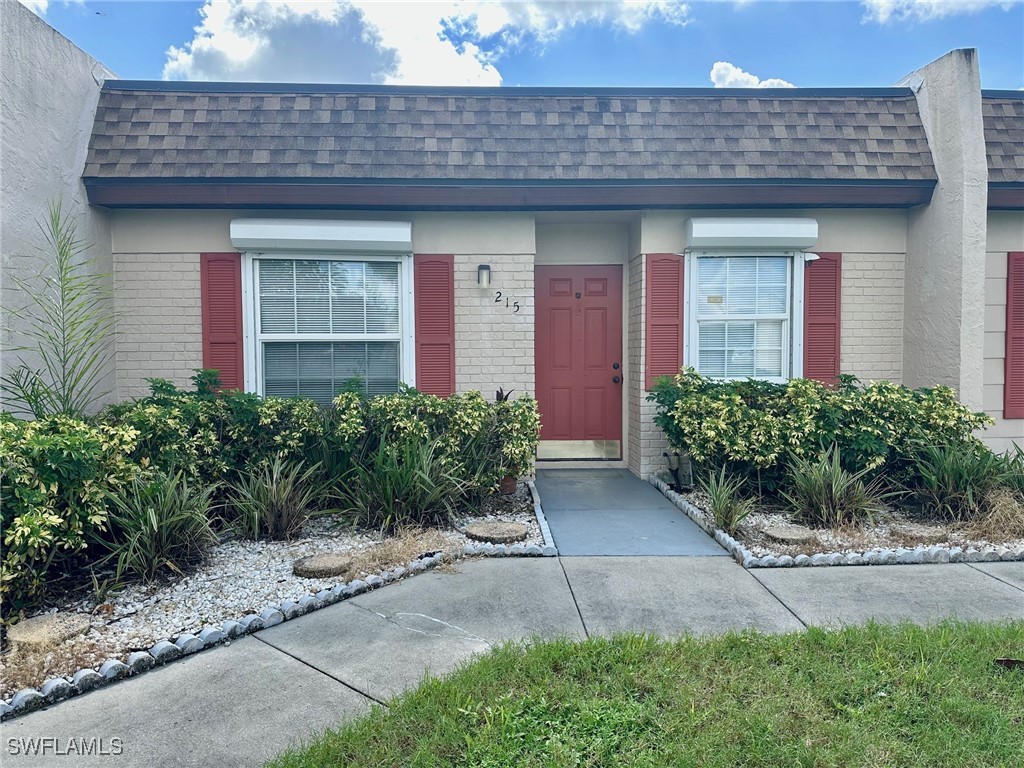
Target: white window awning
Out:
[332,235]
[785,234]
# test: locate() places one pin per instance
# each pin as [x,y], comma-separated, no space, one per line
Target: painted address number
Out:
[514,306]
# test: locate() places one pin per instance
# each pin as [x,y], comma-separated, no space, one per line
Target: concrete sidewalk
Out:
[241,704]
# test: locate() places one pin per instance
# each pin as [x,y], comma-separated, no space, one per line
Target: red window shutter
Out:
[434,278]
[1013,385]
[664,346]
[823,284]
[220,275]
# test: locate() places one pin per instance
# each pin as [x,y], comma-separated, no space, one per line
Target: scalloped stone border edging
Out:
[57,689]
[899,556]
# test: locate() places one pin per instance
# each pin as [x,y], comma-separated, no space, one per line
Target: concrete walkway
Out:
[240,704]
[613,512]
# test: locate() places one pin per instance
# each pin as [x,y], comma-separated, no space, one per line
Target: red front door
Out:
[579,352]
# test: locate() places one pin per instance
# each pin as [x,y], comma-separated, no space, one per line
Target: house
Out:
[572,243]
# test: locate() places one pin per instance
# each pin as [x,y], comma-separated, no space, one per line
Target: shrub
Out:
[274,500]
[213,437]
[823,493]
[475,441]
[753,427]
[727,507]
[54,476]
[953,481]
[404,483]
[159,521]
[59,474]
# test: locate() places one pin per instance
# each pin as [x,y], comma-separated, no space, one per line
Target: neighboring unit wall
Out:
[945,272]
[48,94]
[1005,234]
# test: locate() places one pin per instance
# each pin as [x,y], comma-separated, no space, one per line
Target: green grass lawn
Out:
[868,696]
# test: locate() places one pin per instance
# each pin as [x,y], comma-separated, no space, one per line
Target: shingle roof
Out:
[206,131]
[1004,138]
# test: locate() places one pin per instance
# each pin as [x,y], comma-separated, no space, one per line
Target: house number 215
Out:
[514,305]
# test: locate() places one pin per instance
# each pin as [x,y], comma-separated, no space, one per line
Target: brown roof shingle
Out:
[1004,138]
[142,131]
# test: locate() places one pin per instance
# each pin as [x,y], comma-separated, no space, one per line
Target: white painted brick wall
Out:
[1005,433]
[494,344]
[871,343]
[159,319]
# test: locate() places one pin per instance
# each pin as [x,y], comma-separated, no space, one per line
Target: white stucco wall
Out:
[48,94]
[945,265]
[1005,234]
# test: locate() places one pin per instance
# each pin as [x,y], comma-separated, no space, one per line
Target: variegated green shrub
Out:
[756,427]
[54,475]
[58,473]
[214,437]
[476,441]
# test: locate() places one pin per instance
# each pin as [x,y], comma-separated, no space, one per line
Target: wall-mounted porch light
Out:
[483,275]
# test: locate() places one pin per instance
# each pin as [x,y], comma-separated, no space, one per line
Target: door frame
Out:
[627,372]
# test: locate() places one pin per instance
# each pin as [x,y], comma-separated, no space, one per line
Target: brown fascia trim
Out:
[1006,197]
[173,193]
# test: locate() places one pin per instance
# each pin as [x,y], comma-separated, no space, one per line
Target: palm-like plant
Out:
[68,326]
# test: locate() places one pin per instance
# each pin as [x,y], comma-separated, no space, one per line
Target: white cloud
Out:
[40,7]
[884,11]
[36,6]
[452,42]
[282,40]
[726,75]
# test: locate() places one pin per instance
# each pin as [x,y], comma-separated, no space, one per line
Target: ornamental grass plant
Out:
[727,506]
[274,500]
[160,521]
[824,494]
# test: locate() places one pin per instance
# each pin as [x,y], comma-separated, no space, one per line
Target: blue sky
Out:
[528,42]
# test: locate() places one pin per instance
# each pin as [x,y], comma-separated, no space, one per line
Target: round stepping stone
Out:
[918,533]
[497,531]
[45,631]
[321,566]
[789,534]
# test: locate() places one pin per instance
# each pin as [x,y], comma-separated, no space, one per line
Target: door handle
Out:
[615,366]
[616,379]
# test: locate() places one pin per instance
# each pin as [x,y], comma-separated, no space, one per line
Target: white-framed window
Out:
[744,315]
[318,324]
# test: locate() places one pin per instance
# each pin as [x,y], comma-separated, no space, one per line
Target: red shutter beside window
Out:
[664,337]
[1013,386]
[220,275]
[434,278]
[822,317]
